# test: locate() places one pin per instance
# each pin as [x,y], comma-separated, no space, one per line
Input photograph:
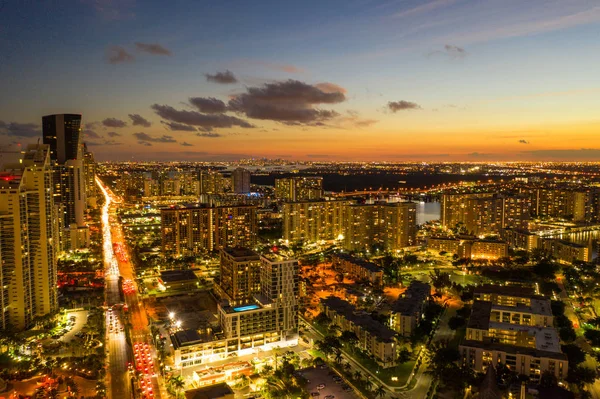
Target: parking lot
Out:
[323,377]
[80,318]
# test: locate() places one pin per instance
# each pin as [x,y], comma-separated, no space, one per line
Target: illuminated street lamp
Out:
[171,315]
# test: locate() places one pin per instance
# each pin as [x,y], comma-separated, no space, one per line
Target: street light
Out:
[171,315]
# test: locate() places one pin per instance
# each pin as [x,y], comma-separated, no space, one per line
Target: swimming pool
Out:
[245,308]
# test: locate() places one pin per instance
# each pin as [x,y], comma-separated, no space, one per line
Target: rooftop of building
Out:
[274,257]
[513,349]
[216,391]
[480,315]
[246,307]
[173,276]
[506,290]
[365,321]
[412,299]
[370,266]
[241,253]
[566,243]
[188,338]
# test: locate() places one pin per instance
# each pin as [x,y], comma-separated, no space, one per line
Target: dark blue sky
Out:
[413,77]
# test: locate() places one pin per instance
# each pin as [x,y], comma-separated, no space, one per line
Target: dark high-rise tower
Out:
[62,132]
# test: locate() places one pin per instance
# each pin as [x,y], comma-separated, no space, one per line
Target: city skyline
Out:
[438,80]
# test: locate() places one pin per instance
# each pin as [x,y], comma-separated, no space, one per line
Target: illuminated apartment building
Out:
[28,238]
[358,269]
[567,252]
[299,188]
[408,309]
[239,279]
[195,229]
[268,320]
[211,182]
[373,337]
[513,327]
[384,226]
[313,221]
[240,181]
[484,213]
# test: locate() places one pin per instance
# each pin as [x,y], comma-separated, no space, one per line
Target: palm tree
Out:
[176,383]
[338,356]
[368,384]
[357,375]
[380,392]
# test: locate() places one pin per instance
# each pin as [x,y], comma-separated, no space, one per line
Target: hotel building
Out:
[268,320]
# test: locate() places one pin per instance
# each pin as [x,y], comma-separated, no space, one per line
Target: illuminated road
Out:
[117,378]
[118,264]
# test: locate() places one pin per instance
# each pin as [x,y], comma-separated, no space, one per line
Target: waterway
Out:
[428,211]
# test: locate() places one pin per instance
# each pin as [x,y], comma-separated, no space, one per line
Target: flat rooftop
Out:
[172,276]
[480,315]
[412,299]
[188,338]
[506,290]
[275,257]
[216,391]
[241,253]
[365,321]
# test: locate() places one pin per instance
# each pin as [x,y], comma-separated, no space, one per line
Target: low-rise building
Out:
[521,239]
[407,310]
[217,391]
[566,251]
[177,280]
[469,247]
[373,337]
[513,326]
[358,268]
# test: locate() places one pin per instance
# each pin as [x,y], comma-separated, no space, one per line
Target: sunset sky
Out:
[432,80]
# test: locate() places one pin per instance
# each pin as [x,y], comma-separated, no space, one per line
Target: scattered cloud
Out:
[147,144]
[226,77]
[523,141]
[455,51]
[152,48]
[402,105]
[450,51]
[113,134]
[174,126]
[114,123]
[290,102]
[138,120]
[112,9]
[198,119]
[20,129]
[91,134]
[118,55]
[327,87]
[99,143]
[209,105]
[141,136]
[186,144]
[211,135]
[424,8]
